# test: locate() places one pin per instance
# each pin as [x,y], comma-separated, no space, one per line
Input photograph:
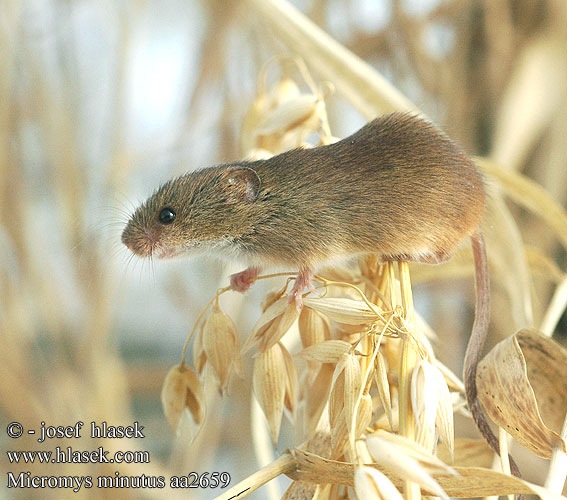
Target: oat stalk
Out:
[409,360]
[283,465]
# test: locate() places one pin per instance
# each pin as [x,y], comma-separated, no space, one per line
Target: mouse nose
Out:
[139,241]
[126,238]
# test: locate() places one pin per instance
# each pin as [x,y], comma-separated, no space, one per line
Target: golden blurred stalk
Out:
[369,92]
[407,365]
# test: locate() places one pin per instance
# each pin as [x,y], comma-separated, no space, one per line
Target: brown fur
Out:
[398,188]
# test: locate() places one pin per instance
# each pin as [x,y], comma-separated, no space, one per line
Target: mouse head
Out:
[198,212]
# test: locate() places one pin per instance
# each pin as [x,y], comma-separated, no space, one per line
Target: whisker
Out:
[153,271]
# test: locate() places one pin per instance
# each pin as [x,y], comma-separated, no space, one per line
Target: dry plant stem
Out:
[362,85]
[367,366]
[557,473]
[527,193]
[376,350]
[263,448]
[383,283]
[555,309]
[503,439]
[390,273]
[283,465]
[407,365]
[376,294]
[368,369]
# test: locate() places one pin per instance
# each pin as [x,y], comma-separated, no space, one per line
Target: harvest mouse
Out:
[398,188]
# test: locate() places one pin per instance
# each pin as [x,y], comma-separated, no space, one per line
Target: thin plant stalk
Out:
[409,359]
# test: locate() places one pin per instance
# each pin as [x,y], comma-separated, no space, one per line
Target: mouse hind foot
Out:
[303,280]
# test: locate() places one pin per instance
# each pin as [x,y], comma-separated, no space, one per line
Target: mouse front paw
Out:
[241,282]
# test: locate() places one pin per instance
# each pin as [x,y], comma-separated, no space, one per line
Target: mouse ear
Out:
[242,183]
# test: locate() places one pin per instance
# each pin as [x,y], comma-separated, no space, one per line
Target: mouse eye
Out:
[166,216]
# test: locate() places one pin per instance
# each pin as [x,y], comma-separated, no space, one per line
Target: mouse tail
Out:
[476,344]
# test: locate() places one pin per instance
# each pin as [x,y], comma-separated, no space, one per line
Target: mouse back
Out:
[398,187]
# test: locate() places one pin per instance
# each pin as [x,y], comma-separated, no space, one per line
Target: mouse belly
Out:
[425,254]
[319,258]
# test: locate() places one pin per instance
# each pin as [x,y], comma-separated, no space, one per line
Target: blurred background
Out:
[101,101]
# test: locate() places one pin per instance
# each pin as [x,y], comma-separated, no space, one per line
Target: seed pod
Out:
[316,396]
[221,345]
[270,315]
[347,311]
[283,91]
[269,383]
[329,351]
[182,392]
[270,335]
[250,122]
[313,329]
[424,400]
[294,112]
[353,380]
[291,385]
